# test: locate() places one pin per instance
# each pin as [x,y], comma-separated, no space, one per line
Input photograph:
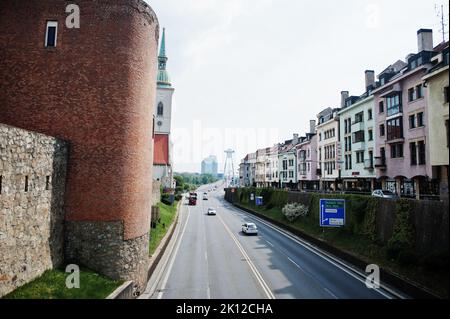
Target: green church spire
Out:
[163,79]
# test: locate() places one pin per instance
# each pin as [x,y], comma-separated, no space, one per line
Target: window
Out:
[382,130]
[359,117]
[369,113]
[393,105]
[412,95]
[358,137]
[160,110]
[422,154]
[350,161]
[285,165]
[26,183]
[394,129]
[383,155]
[412,121]
[291,163]
[381,107]
[291,174]
[51,34]
[448,131]
[360,157]
[370,134]
[419,91]
[420,120]
[397,150]
[446,94]
[413,152]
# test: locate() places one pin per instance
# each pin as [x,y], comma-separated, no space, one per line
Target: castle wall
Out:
[32,183]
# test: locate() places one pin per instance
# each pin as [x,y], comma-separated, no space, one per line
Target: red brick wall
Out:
[96,89]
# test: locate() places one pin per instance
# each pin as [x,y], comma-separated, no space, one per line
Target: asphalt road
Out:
[210,257]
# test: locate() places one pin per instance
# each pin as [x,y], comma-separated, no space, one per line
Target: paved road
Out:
[211,258]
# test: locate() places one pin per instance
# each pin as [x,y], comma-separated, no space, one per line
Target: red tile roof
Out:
[161,150]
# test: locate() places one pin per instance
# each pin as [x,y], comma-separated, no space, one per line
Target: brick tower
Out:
[93,86]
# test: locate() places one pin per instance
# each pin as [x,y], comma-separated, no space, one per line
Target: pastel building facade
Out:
[328,146]
[287,163]
[436,81]
[357,135]
[402,143]
[307,162]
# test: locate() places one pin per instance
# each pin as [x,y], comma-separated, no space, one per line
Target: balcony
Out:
[368,164]
[358,146]
[358,126]
[380,163]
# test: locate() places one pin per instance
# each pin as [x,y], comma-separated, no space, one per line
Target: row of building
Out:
[394,136]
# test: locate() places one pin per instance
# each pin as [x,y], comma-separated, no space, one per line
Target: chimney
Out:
[425,40]
[370,79]
[344,96]
[312,126]
[295,140]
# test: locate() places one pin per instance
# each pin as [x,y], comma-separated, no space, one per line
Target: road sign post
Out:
[332,213]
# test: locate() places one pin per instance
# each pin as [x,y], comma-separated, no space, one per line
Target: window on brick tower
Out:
[160,110]
[51,34]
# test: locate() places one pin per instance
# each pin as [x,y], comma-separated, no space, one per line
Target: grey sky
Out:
[262,64]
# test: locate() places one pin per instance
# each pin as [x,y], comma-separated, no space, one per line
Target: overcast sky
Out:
[250,73]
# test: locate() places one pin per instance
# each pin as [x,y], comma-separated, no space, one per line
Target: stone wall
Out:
[156,192]
[32,184]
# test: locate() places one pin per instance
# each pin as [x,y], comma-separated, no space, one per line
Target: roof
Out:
[161,150]
[163,79]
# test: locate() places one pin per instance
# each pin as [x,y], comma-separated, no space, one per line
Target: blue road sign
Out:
[259,201]
[332,212]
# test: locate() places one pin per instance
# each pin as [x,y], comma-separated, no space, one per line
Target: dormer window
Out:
[51,34]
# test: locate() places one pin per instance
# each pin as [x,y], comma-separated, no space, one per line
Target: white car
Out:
[249,228]
[211,211]
[384,194]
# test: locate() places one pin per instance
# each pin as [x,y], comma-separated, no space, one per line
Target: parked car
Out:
[211,211]
[205,196]
[383,193]
[249,228]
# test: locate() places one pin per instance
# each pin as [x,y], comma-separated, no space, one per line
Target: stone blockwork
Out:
[32,183]
[101,247]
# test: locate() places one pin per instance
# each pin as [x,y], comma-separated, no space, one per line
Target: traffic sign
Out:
[332,213]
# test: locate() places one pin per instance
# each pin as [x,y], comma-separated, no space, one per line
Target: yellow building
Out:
[436,81]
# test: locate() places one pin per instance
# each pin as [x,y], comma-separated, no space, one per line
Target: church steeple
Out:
[163,79]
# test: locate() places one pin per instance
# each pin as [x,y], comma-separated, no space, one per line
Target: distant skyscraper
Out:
[209,165]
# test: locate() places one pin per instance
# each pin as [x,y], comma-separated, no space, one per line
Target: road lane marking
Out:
[169,269]
[270,243]
[253,268]
[294,263]
[332,260]
[332,294]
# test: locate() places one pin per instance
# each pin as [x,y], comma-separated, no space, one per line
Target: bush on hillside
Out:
[292,211]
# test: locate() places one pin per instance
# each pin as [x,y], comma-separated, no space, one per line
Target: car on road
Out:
[211,211]
[249,228]
[205,196]
[383,193]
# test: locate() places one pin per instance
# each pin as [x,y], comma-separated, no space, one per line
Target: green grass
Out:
[167,214]
[52,285]
[364,249]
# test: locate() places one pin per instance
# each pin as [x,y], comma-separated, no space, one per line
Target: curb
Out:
[125,291]
[159,252]
[406,286]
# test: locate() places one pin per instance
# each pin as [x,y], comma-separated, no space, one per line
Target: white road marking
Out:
[294,262]
[332,260]
[332,294]
[169,269]
[253,268]
[270,243]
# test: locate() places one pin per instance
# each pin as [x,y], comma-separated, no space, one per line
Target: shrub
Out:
[294,210]
[165,198]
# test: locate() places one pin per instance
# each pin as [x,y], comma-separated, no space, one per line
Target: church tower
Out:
[162,159]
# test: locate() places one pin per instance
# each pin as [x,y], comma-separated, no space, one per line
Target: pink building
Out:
[307,160]
[402,159]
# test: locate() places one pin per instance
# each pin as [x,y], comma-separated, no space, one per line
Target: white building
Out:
[162,154]
[329,157]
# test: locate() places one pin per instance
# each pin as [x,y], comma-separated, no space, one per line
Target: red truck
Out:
[192,199]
